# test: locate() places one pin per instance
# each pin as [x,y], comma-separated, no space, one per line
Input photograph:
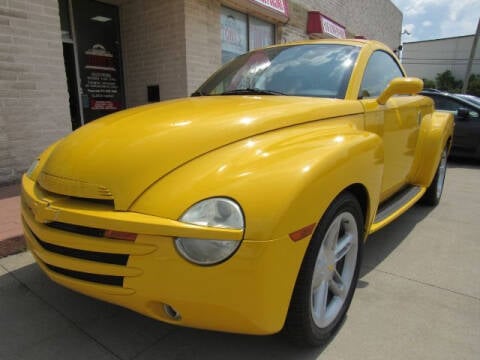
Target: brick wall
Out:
[153,43]
[203,45]
[33,91]
[375,19]
[175,44]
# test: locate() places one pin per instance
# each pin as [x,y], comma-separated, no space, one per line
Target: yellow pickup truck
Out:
[243,208]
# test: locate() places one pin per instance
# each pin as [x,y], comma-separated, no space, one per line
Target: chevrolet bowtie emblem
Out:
[44,212]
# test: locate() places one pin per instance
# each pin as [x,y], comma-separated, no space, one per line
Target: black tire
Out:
[301,325]
[434,191]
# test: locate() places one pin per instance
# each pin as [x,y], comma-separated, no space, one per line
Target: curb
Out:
[11,234]
[11,246]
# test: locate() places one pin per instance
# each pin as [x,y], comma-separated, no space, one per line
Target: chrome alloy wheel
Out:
[442,169]
[334,269]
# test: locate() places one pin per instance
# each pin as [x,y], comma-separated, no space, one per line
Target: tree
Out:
[447,82]
[430,84]
[474,85]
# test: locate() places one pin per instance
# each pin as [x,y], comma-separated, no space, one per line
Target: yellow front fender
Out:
[283,184]
[283,180]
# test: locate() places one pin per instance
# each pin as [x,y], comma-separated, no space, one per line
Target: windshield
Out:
[320,70]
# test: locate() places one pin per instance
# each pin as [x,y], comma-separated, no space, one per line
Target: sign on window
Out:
[234,34]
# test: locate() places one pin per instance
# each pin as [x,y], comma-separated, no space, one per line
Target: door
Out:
[73,99]
[97,41]
[466,137]
[397,122]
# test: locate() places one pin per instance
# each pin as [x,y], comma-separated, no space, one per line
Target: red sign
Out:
[276,5]
[320,24]
[104,105]
[332,28]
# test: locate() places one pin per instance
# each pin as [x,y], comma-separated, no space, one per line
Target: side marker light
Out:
[302,233]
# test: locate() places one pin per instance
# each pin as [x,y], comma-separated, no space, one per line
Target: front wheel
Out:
[434,191]
[328,275]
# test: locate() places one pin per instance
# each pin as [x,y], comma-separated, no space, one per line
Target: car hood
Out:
[120,156]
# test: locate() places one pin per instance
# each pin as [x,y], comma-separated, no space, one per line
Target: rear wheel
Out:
[328,275]
[434,191]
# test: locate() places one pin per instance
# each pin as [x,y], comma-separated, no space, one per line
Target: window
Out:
[241,33]
[381,69]
[448,104]
[261,33]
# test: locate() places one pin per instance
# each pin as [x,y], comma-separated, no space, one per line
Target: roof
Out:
[440,39]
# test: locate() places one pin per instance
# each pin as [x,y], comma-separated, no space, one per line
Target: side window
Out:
[452,105]
[437,100]
[381,68]
[448,104]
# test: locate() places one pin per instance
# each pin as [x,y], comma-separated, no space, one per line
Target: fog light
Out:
[171,312]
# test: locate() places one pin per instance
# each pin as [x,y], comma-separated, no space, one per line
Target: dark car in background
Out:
[466,109]
[470,98]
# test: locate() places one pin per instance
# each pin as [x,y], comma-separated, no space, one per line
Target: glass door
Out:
[98,53]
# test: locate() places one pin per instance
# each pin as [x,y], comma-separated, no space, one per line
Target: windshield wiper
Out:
[254,91]
[198,93]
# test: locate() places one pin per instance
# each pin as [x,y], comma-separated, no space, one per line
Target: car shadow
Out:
[455,162]
[123,333]
[382,243]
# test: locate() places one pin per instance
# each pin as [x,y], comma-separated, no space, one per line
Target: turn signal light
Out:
[120,235]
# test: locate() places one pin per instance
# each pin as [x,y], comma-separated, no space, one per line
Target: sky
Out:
[436,19]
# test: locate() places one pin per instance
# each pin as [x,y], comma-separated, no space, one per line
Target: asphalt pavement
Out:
[418,298]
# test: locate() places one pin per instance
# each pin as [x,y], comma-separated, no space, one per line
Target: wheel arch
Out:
[436,132]
[295,321]
[361,194]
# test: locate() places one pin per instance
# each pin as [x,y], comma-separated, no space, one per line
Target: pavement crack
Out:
[425,283]
[160,339]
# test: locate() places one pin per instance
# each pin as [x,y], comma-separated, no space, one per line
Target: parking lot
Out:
[418,298]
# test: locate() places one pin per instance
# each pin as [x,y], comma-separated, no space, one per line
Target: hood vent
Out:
[75,188]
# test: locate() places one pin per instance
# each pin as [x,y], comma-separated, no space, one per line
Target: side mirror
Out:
[400,86]
[463,114]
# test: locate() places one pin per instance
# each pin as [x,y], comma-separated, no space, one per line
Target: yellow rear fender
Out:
[283,180]
[436,132]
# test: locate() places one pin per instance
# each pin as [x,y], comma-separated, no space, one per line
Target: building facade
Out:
[426,59]
[64,63]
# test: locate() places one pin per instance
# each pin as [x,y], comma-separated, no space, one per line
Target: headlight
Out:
[214,212]
[32,168]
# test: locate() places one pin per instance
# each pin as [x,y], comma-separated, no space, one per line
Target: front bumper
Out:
[249,293]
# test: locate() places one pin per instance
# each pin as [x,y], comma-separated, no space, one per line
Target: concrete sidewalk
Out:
[418,298]
[11,238]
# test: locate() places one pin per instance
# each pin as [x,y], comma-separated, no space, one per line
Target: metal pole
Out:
[470,60]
